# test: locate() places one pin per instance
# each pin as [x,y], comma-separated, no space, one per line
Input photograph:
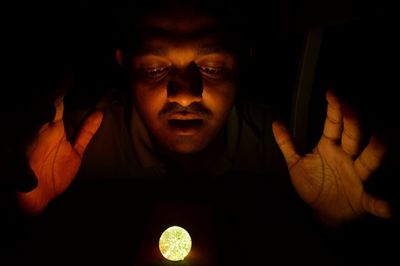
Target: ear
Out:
[119,55]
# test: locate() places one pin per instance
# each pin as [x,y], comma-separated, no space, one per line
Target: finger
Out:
[89,128]
[44,127]
[59,105]
[375,206]
[50,113]
[60,88]
[57,114]
[45,113]
[334,116]
[351,135]
[285,143]
[370,158]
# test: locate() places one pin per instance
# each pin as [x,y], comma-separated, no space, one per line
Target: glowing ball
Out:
[175,243]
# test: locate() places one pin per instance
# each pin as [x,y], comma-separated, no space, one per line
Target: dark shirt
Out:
[122,147]
[244,199]
[241,209]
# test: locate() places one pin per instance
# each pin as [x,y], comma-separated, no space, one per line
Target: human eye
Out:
[215,66]
[211,71]
[155,73]
[151,67]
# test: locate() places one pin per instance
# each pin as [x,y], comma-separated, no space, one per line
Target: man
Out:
[184,75]
[181,119]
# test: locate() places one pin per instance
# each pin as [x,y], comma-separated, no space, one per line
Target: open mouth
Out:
[185,126]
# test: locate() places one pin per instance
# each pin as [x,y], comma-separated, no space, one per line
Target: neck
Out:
[198,163]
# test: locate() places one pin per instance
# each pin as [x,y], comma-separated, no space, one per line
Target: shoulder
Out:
[112,104]
[257,151]
[109,153]
[258,117]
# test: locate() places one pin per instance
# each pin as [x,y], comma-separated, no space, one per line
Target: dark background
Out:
[46,41]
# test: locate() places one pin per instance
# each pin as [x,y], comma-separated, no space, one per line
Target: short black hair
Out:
[226,13]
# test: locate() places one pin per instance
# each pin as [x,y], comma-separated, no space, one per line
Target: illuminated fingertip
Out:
[383,210]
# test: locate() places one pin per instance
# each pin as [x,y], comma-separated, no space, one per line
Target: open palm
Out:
[330,178]
[54,160]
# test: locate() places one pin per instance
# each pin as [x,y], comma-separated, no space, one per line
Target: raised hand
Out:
[330,178]
[54,160]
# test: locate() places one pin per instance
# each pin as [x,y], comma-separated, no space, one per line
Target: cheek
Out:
[219,100]
[149,101]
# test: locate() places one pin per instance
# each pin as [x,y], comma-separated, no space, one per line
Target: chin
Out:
[185,145]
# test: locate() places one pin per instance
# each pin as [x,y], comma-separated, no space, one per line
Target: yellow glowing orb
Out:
[175,243]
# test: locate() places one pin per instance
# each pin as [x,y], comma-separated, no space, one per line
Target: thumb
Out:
[376,206]
[86,133]
[285,143]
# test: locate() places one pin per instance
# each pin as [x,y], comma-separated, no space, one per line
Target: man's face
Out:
[183,81]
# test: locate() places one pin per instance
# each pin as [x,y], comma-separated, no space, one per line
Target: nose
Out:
[185,86]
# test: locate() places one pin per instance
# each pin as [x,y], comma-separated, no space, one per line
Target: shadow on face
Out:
[183,77]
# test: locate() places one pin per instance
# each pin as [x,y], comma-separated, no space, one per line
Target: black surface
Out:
[104,223]
[252,221]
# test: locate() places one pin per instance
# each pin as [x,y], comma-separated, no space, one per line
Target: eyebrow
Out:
[164,34]
[153,31]
[201,50]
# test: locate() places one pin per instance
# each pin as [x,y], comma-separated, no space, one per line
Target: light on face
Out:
[175,243]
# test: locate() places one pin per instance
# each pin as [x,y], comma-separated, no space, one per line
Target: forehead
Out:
[181,16]
[179,26]
[180,21]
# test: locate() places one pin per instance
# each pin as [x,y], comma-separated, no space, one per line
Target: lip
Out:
[185,126]
[185,116]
